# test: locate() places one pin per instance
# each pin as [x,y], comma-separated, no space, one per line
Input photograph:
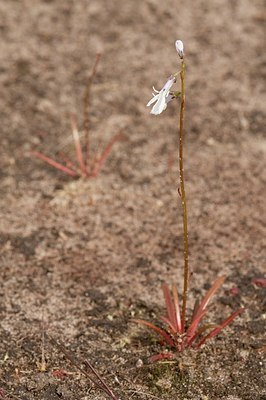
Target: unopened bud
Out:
[179,48]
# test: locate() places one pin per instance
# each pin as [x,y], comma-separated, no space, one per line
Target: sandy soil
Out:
[83,257]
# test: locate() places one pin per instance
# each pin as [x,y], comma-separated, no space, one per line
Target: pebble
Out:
[139,363]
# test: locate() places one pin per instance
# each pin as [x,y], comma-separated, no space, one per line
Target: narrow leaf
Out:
[69,163]
[199,332]
[78,148]
[169,323]
[177,308]
[260,282]
[55,164]
[205,301]
[155,328]
[196,306]
[194,324]
[105,154]
[218,329]
[161,356]
[170,307]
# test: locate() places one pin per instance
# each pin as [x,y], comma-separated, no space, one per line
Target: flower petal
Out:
[170,97]
[153,99]
[162,98]
[159,106]
[169,84]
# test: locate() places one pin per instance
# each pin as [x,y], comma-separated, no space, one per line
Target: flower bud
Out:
[179,48]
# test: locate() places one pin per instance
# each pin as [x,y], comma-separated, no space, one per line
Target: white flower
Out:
[162,97]
[179,48]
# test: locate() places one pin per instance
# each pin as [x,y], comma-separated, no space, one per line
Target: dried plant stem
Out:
[55,164]
[43,361]
[98,163]
[86,104]
[70,356]
[183,195]
[77,144]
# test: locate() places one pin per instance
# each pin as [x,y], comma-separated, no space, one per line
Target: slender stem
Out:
[79,154]
[55,164]
[70,356]
[183,195]
[86,105]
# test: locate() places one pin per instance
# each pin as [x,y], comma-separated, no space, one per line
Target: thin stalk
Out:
[70,356]
[68,162]
[77,144]
[43,361]
[54,164]
[98,164]
[86,105]
[183,195]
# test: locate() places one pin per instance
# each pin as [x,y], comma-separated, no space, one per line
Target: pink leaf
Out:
[170,307]
[155,328]
[205,301]
[218,329]
[77,143]
[177,308]
[106,152]
[55,164]
[260,282]
[161,356]
[194,324]
[169,323]
[234,291]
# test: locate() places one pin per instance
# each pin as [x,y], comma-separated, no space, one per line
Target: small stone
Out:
[211,141]
[139,363]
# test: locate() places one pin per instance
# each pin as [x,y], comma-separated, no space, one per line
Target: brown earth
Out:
[83,257]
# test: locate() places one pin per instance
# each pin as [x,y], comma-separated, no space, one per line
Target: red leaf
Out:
[161,356]
[55,164]
[77,144]
[205,301]
[60,374]
[170,307]
[260,282]
[105,153]
[169,323]
[177,308]
[194,325]
[155,328]
[234,291]
[218,329]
